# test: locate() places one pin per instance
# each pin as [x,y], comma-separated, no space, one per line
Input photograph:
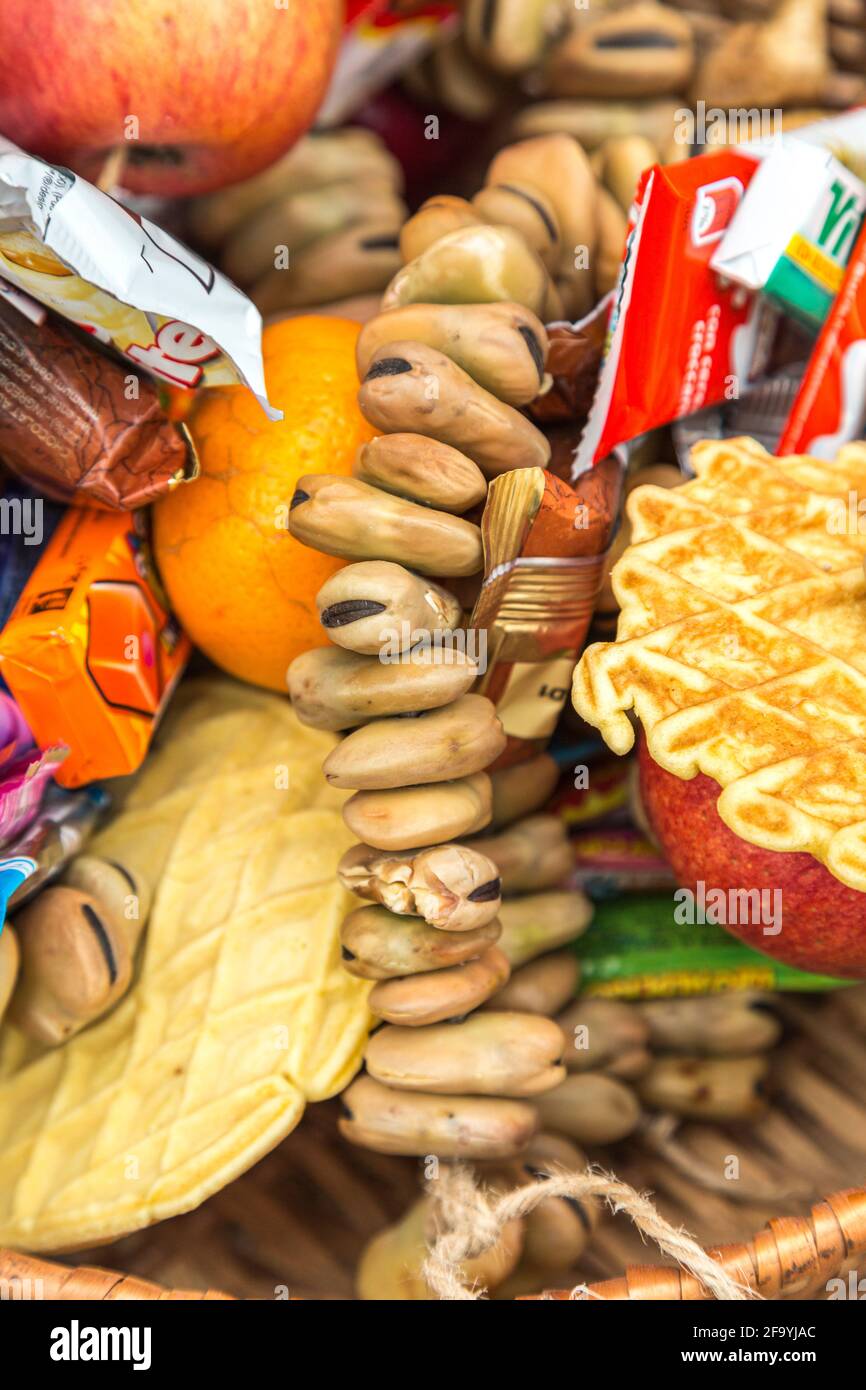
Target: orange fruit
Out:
[239,583]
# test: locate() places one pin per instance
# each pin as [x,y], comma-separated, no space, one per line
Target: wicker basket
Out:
[296,1223]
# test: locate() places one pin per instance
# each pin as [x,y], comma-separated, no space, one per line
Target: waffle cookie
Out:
[741,645]
[241,1011]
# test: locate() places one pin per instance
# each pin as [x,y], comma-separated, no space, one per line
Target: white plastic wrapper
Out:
[121,278]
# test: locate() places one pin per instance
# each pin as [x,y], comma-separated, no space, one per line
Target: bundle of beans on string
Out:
[446,367]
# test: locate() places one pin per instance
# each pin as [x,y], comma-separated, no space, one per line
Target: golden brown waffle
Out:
[741,645]
[242,1011]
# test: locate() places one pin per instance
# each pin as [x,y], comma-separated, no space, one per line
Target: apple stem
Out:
[111,172]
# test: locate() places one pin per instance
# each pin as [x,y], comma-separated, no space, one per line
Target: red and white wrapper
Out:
[830,407]
[678,338]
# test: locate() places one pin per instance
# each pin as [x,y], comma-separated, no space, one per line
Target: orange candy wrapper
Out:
[90,652]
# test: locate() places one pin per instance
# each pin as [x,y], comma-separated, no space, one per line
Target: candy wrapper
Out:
[573,363]
[677,339]
[61,829]
[680,337]
[544,544]
[793,232]
[830,407]
[636,949]
[14,733]
[23,782]
[90,652]
[78,425]
[13,873]
[123,279]
[382,38]
[603,796]
[614,860]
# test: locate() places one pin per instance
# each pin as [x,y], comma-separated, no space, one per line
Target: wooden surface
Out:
[297,1222]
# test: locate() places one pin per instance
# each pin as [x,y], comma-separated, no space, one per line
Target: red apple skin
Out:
[225,86]
[823,920]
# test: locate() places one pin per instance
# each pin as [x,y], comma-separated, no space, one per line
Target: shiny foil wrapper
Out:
[544,547]
[69,428]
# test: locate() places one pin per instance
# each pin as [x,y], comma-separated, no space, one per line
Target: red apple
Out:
[219,88]
[823,920]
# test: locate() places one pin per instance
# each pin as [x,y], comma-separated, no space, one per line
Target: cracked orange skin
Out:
[242,587]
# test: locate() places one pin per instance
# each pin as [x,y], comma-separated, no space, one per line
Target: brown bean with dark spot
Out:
[500,1054]
[411,387]
[456,741]
[380,945]
[413,816]
[435,995]
[406,1122]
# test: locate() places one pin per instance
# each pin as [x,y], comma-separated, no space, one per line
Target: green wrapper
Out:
[635,950]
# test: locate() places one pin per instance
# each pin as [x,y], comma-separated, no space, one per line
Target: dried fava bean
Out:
[629,1065]
[431,997]
[9,958]
[534,853]
[390,1265]
[425,470]
[598,1031]
[410,387]
[642,50]
[503,347]
[434,219]
[354,260]
[717,1024]
[707,1088]
[783,57]
[541,922]
[541,987]
[591,1108]
[343,516]
[467,88]
[511,35]
[558,166]
[456,741]
[450,886]
[558,1231]
[297,219]
[623,161]
[379,945]
[334,689]
[499,1054]
[612,229]
[521,789]
[593,122]
[75,963]
[417,816]
[119,892]
[525,208]
[474,265]
[403,1122]
[365,606]
[350,155]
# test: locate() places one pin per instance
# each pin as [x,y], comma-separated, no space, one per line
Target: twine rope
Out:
[467,1221]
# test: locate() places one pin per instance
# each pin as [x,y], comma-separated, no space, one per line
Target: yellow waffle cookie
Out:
[241,1011]
[741,644]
